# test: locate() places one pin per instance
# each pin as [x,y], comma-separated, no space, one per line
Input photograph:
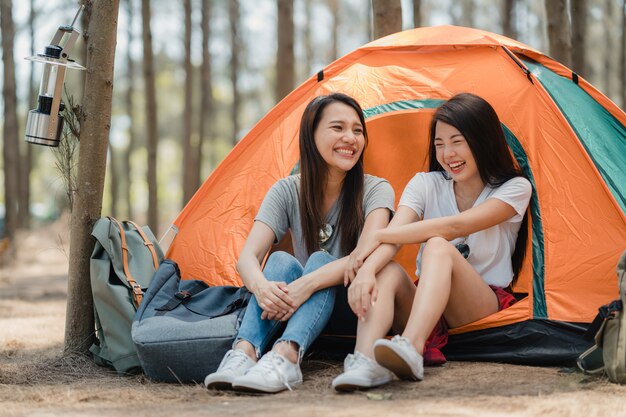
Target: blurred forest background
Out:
[193,76]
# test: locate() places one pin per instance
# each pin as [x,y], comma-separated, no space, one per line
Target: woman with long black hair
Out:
[328,209]
[468,214]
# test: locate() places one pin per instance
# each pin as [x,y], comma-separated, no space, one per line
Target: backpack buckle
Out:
[183,295]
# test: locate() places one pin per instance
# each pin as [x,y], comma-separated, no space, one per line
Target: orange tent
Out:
[568,138]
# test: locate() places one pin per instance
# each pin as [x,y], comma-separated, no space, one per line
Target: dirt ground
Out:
[36,381]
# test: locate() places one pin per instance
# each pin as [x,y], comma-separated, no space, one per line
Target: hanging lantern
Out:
[44,124]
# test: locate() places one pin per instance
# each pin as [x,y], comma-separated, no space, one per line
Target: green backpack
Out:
[123,262]
[608,355]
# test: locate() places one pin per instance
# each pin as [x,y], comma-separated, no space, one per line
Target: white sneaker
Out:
[361,372]
[400,357]
[234,364]
[272,373]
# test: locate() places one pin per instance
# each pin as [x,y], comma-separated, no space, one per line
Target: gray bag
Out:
[123,262]
[608,355]
[184,327]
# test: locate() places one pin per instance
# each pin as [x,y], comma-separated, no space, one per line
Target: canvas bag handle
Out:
[136,288]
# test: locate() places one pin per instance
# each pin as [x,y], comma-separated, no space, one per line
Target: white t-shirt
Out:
[431,195]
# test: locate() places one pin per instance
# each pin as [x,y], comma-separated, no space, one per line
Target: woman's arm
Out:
[332,273]
[483,216]
[363,289]
[272,296]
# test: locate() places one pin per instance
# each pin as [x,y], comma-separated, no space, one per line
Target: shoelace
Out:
[401,341]
[234,359]
[272,362]
[355,359]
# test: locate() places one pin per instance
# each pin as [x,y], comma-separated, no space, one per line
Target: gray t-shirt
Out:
[280,210]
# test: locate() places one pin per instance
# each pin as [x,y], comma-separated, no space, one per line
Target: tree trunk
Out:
[622,55]
[369,13]
[579,33]
[333,8]
[27,150]
[115,180]
[559,31]
[467,13]
[10,129]
[189,150]
[207,104]
[130,89]
[151,118]
[233,14]
[608,48]
[387,17]
[307,39]
[508,19]
[94,133]
[285,56]
[417,13]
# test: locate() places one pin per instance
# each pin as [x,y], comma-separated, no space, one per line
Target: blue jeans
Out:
[306,323]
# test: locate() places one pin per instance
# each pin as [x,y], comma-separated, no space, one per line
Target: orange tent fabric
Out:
[578,223]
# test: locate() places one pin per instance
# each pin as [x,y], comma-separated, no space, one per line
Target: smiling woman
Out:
[328,208]
[469,212]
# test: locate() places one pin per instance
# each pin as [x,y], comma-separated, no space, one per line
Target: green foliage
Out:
[66,155]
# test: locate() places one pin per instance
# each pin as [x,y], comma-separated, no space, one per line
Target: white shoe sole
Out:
[356,385]
[219,385]
[395,361]
[249,386]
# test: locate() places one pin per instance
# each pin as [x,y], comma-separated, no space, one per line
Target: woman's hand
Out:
[273,298]
[358,256]
[300,290]
[362,293]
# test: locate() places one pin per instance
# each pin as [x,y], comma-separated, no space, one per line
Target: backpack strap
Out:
[604,312]
[181,297]
[136,289]
[146,242]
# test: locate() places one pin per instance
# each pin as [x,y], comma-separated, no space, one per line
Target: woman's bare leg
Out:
[392,308]
[448,286]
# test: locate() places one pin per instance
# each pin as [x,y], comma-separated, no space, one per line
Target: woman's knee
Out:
[280,266]
[438,247]
[392,276]
[317,260]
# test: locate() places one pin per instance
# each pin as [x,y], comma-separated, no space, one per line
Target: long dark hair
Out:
[479,124]
[314,173]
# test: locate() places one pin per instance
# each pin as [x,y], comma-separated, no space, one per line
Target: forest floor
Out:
[35,380]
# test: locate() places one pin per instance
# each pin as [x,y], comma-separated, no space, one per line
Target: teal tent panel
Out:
[601,134]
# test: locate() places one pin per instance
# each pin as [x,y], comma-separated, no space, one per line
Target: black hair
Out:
[314,173]
[479,124]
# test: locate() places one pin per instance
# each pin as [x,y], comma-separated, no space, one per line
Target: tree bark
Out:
[94,133]
[207,103]
[152,141]
[417,13]
[115,180]
[608,48]
[579,34]
[333,8]
[559,31]
[467,16]
[622,55]
[189,150]
[508,19]
[10,151]
[285,56]
[130,89]
[233,14]
[27,150]
[387,17]
[307,39]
